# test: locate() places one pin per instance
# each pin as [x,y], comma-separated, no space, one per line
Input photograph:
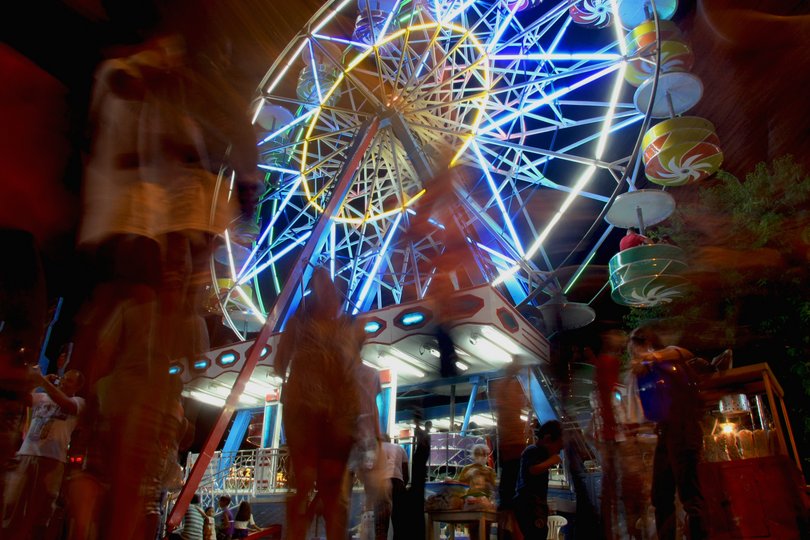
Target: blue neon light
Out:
[412,318]
[201,364]
[227,359]
[175,369]
[370,279]
[371,327]
[264,352]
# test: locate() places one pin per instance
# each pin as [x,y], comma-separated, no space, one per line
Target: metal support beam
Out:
[534,390]
[470,404]
[284,306]
[235,437]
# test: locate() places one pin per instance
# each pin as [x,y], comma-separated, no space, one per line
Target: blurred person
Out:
[148,194]
[478,474]
[390,507]
[364,460]
[419,471]
[243,523]
[194,520]
[509,402]
[166,473]
[633,238]
[209,528]
[607,429]
[531,497]
[226,527]
[22,319]
[670,397]
[321,405]
[34,485]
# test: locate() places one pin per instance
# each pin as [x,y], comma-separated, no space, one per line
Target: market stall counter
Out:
[751,475]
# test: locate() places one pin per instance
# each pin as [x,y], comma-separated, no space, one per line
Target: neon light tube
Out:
[370,279]
[300,240]
[542,57]
[285,127]
[496,193]
[269,227]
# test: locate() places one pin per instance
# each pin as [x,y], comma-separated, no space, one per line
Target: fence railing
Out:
[243,475]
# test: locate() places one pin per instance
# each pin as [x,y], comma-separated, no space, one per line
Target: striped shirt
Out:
[193,523]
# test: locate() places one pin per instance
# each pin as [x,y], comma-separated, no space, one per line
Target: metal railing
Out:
[243,475]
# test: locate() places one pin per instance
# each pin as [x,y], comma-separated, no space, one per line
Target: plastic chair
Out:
[555,523]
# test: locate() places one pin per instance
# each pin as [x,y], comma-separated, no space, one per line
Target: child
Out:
[531,498]
[209,526]
[226,528]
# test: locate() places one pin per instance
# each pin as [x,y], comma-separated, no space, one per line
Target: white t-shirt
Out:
[395,456]
[51,427]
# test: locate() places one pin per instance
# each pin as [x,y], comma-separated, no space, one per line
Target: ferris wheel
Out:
[527,101]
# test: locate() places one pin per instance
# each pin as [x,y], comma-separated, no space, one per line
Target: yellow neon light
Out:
[465,35]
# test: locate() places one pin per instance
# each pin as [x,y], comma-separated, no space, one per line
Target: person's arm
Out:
[66,403]
[640,364]
[667,354]
[252,524]
[543,466]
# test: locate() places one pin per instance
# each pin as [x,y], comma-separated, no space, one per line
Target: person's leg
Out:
[663,490]
[50,477]
[18,487]
[399,510]
[332,486]
[632,473]
[382,513]
[685,462]
[506,493]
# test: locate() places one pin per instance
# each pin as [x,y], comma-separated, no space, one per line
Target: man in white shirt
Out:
[392,507]
[34,485]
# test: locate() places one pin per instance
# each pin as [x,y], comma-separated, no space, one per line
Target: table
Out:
[481,518]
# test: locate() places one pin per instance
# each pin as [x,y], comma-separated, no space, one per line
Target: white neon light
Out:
[395,363]
[496,37]
[618,27]
[340,40]
[285,127]
[231,264]
[253,309]
[490,351]
[384,29]
[277,169]
[495,253]
[544,57]
[495,193]
[290,61]
[329,17]
[618,84]
[207,398]
[548,98]
[274,258]
[586,176]
[380,256]
[497,337]
[269,227]
[315,72]
[332,251]
[259,388]
[257,111]
[452,15]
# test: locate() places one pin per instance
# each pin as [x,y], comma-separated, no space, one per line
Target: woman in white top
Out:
[243,523]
